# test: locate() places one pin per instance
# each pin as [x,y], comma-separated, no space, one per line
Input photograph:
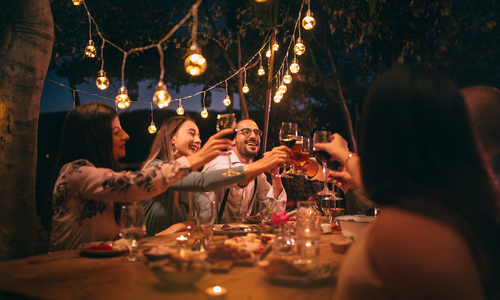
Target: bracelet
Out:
[347,160]
[246,169]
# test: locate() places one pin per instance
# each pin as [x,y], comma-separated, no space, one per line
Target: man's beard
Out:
[242,149]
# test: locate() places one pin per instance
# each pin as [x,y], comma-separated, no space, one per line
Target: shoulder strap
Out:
[223,205]
[250,205]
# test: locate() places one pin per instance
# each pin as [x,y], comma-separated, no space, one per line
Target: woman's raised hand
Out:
[212,148]
[337,147]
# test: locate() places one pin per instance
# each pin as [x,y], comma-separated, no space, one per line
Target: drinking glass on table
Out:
[331,205]
[322,156]
[288,137]
[227,121]
[205,219]
[132,227]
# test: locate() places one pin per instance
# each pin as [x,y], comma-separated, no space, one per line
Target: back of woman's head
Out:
[162,147]
[87,134]
[418,154]
[416,137]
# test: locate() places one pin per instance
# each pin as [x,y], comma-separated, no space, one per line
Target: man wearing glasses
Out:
[237,201]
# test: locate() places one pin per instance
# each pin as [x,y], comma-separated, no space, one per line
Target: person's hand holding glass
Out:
[322,157]
[227,121]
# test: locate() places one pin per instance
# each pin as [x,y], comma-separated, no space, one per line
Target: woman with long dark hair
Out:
[178,207]
[438,234]
[89,180]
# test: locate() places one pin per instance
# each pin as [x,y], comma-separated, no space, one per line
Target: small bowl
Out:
[353,226]
[172,277]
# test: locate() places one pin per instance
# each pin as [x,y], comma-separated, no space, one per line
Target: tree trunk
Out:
[22,74]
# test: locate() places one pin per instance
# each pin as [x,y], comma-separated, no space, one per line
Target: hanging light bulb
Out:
[162,97]
[308,22]
[268,53]
[180,109]
[102,81]
[276,46]
[261,71]
[227,101]
[299,47]
[294,66]
[204,113]
[77,2]
[245,88]
[282,88]
[152,127]
[277,97]
[195,64]
[90,50]
[122,100]
[260,0]
[287,78]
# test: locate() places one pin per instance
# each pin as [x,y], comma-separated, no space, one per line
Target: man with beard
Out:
[237,201]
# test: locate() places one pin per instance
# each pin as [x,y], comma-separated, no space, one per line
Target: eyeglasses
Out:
[247,132]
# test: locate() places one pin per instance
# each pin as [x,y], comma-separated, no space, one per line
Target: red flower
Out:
[313,198]
[290,203]
[280,217]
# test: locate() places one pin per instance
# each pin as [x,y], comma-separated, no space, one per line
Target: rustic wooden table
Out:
[68,275]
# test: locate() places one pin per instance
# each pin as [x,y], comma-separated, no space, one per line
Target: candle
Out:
[216,292]
[182,240]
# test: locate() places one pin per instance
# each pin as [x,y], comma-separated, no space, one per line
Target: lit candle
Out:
[182,240]
[216,292]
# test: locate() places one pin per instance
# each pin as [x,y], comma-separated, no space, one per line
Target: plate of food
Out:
[159,252]
[253,219]
[105,248]
[285,272]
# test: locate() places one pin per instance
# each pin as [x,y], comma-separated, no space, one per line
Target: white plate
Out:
[84,249]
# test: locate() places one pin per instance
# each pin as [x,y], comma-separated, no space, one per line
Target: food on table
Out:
[121,244]
[175,263]
[162,249]
[101,247]
[297,268]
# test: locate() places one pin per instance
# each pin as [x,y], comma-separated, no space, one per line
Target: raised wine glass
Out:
[288,137]
[227,121]
[132,227]
[323,157]
[331,206]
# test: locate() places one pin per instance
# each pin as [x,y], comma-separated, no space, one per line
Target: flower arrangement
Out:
[280,217]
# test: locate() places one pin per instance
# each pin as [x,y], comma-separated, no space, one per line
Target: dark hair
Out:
[162,147]
[86,134]
[418,154]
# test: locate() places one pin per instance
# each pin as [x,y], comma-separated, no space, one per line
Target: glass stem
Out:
[324,178]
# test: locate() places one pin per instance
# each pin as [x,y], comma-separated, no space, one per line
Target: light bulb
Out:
[102,81]
[162,96]
[204,113]
[294,66]
[277,97]
[287,78]
[227,101]
[261,71]
[299,47]
[122,99]
[268,53]
[276,46]
[195,64]
[90,50]
[152,127]
[245,88]
[180,110]
[308,22]
[260,0]
[77,2]
[282,88]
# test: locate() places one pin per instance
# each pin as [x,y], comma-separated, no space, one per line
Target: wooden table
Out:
[67,275]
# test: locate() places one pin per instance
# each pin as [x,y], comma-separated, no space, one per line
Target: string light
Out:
[152,127]
[278,95]
[276,46]
[227,100]
[308,22]
[294,66]
[204,112]
[90,50]
[261,70]
[162,97]
[77,2]
[122,100]
[245,88]
[195,64]
[282,87]
[102,81]
[180,109]
[268,52]
[299,47]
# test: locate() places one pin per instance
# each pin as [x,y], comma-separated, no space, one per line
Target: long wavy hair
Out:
[163,149]
[418,154]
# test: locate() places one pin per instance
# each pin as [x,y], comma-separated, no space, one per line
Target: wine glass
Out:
[227,121]
[322,156]
[288,137]
[205,218]
[132,227]
[331,206]
[299,168]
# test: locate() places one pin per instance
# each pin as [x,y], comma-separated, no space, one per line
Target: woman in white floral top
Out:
[90,179]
